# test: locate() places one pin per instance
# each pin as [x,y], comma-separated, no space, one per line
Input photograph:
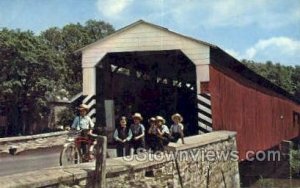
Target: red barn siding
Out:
[250,110]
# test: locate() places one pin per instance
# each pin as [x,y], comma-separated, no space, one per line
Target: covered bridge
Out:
[149,69]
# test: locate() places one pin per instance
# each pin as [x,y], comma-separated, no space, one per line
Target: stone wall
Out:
[199,160]
[209,170]
[156,175]
[196,168]
[33,142]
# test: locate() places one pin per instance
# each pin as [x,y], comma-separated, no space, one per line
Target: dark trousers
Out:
[175,137]
[136,144]
[163,141]
[122,149]
[153,142]
[84,146]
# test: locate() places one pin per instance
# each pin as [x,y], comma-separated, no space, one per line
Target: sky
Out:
[258,30]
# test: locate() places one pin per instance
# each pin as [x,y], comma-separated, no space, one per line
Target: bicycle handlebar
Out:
[73,133]
[78,132]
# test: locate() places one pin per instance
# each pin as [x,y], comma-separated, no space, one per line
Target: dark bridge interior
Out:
[150,82]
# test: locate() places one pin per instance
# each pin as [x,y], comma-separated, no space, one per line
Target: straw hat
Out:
[159,118]
[152,119]
[138,116]
[178,116]
[83,107]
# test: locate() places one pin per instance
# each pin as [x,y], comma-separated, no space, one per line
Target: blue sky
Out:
[260,30]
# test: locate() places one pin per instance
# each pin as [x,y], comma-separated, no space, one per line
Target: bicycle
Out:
[72,151]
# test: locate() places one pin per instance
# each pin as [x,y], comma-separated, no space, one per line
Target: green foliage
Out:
[287,77]
[30,73]
[36,69]
[66,117]
[295,161]
[296,80]
[70,38]
[265,183]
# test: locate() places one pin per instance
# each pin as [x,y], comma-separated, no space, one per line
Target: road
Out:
[29,160]
[33,160]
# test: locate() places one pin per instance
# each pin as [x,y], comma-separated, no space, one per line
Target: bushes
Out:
[295,161]
[66,117]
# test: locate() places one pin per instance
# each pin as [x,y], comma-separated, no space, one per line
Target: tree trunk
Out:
[14,120]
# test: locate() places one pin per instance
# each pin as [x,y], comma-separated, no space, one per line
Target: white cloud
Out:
[234,53]
[232,12]
[264,13]
[282,49]
[238,13]
[218,13]
[277,45]
[112,8]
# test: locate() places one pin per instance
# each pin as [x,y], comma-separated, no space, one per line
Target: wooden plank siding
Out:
[253,112]
[145,37]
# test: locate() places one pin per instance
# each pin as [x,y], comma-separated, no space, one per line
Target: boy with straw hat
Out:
[83,121]
[163,133]
[84,124]
[138,133]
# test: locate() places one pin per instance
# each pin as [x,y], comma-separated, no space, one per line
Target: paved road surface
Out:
[33,160]
[29,160]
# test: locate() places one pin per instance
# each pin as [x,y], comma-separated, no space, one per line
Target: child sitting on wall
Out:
[176,130]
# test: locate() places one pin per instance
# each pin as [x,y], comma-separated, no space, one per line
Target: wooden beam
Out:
[100,97]
[100,170]
[116,69]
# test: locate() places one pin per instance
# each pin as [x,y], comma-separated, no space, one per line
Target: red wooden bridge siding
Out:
[252,111]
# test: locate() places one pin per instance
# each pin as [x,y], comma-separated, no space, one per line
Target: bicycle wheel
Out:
[69,155]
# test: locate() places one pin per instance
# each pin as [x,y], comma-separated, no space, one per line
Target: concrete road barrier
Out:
[17,144]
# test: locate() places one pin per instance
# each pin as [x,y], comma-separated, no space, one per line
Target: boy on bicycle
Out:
[83,123]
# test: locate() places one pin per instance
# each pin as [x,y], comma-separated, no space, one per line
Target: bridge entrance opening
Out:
[150,82]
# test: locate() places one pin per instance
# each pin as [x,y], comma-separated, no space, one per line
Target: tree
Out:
[287,77]
[97,30]
[296,80]
[71,38]
[36,69]
[31,74]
